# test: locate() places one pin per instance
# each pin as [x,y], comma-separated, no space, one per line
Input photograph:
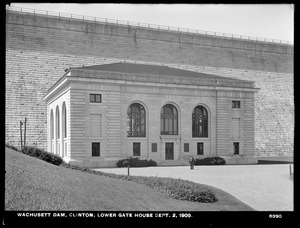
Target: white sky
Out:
[274,21]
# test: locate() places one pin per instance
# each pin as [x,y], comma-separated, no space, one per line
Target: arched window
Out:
[136,121]
[64,120]
[169,120]
[57,123]
[51,125]
[200,122]
[51,130]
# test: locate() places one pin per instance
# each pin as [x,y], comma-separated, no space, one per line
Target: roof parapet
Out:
[148,26]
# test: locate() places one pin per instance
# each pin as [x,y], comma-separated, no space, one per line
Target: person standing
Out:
[192,162]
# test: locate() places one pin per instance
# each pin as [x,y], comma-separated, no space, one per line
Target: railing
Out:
[146,25]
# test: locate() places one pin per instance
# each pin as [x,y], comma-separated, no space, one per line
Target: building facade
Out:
[40,45]
[100,114]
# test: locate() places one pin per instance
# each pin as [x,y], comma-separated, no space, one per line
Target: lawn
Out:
[33,184]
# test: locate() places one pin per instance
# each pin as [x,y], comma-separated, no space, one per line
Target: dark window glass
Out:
[136,121]
[236,148]
[186,147]
[95,149]
[200,150]
[65,121]
[136,149]
[200,122]
[51,125]
[95,98]
[154,147]
[169,150]
[236,104]
[98,98]
[169,120]
[66,129]
[92,98]
[57,123]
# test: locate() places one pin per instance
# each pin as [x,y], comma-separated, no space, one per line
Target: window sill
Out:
[137,138]
[96,103]
[200,139]
[170,136]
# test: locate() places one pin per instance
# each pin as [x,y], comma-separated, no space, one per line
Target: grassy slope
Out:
[32,184]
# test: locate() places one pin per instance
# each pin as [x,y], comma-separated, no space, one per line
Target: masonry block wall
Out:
[40,47]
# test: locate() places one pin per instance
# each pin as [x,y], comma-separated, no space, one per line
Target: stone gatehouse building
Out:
[99,114]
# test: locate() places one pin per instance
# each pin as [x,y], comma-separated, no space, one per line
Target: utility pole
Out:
[21,134]
[25,131]
[23,143]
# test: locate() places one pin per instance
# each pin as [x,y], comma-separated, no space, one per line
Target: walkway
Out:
[263,187]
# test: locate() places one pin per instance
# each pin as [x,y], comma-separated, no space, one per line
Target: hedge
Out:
[210,161]
[174,188]
[11,147]
[135,162]
[43,155]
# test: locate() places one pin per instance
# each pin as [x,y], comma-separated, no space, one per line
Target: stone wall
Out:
[39,48]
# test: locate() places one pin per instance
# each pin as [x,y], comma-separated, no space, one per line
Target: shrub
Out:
[43,155]
[122,163]
[151,163]
[11,146]
[135,162]
[210,161]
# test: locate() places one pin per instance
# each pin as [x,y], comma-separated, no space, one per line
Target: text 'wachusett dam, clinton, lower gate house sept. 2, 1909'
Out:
[100,114]
[95,91]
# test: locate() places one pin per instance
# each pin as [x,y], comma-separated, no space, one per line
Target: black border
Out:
[224,219]
[211,219]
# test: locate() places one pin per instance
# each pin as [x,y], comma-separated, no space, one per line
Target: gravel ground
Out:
[263,187]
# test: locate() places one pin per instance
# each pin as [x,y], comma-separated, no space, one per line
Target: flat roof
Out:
[147,69]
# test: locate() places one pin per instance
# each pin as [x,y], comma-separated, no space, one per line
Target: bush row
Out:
[11,147]
[43,155]
[210,161]
[174,188]
[135,162]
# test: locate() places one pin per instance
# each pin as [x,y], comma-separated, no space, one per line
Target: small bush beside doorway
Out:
[210,161]
[135,162]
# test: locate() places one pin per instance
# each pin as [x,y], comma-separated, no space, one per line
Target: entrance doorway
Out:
[169,151]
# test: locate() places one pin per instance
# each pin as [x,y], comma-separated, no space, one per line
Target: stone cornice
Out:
[164,79]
